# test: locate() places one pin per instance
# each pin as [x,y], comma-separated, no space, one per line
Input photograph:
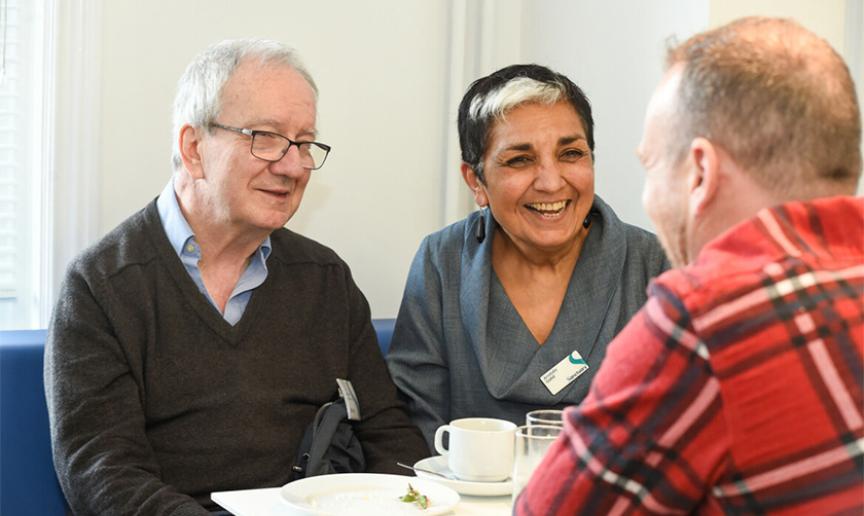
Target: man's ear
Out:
[478,189]
[189,143]
[704,177]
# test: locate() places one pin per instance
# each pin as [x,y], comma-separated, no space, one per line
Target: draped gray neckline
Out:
[513,372]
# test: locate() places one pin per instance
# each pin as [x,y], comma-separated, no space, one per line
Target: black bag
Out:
[329,444]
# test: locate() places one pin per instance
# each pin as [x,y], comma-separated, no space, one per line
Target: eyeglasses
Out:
[273,147]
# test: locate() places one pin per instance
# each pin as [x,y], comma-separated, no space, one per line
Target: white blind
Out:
[11,120]
[22,44]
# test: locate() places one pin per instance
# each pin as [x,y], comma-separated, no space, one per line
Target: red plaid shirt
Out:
[738,386]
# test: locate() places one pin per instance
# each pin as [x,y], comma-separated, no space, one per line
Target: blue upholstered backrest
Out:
[384,329]
[28,484]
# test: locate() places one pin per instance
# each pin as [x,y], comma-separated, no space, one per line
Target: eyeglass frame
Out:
[252,132]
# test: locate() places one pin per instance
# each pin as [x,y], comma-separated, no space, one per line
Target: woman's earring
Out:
[587,221]
[481,229]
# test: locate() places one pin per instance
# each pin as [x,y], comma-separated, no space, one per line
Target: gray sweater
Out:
[460,348]
[155,400]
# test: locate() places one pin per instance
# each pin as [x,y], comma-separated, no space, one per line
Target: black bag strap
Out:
[327,422]
[309,438]
[332,418]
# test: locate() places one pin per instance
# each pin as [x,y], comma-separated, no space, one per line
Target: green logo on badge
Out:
[577,360]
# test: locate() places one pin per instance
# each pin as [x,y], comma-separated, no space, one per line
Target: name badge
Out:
[564,372]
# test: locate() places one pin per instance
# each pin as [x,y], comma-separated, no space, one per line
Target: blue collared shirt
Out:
[183,241]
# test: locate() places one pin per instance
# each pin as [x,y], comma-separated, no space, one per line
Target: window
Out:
[23,90]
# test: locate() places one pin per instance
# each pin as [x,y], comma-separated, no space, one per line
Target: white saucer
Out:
[438,464]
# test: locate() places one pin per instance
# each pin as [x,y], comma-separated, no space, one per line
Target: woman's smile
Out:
[549,210]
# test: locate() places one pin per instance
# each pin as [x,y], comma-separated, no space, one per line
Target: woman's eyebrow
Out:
[518,147]
[566,140]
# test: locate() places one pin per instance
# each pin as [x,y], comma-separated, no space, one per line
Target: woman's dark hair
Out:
[489,98]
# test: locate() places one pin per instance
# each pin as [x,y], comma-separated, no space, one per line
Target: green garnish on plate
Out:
[414,496]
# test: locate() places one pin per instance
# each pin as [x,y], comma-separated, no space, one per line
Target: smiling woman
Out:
[511,309]
[538,184]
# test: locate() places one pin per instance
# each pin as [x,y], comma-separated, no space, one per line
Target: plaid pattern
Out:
[736,389]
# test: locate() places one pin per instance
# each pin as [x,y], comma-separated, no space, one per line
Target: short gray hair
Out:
[518,91]
[199,90]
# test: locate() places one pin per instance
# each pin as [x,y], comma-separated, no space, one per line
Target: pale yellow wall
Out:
[824,17]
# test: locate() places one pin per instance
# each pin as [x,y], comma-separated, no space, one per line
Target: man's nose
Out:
[291,163]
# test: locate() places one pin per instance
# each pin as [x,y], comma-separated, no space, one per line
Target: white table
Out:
[267,502]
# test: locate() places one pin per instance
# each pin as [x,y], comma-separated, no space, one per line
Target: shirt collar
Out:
[176,227]
[179,232]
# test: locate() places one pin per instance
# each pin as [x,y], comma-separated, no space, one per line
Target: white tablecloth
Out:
[266,502]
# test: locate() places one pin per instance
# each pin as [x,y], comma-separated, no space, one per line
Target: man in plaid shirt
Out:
[738,387]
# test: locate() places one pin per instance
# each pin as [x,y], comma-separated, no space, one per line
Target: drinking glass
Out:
[532,441]
[545,417]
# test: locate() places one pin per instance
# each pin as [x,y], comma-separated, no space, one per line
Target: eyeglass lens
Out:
[273,146]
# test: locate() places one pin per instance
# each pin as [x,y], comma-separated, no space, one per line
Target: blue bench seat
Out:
[28,483]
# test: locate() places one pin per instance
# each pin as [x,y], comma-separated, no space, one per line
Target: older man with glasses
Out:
[192,346]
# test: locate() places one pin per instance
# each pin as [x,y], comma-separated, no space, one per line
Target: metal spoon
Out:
[422,470]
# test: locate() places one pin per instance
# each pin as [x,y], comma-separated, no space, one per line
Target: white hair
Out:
[200,87]
[519,90]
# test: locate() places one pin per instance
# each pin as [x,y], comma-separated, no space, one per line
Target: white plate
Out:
[361,494]
[438,464]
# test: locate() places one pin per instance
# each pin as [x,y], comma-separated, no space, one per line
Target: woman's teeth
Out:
[548,207]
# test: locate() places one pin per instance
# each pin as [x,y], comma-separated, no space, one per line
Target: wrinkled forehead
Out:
[529,119]
[661,110]
[252,76]
[665,98]
[276,91]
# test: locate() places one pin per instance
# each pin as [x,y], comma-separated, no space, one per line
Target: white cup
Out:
[480,448]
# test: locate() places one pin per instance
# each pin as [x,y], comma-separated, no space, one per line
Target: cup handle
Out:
[439,439]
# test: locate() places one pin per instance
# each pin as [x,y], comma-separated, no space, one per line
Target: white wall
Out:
[381,70]
[391,73]
[614,51]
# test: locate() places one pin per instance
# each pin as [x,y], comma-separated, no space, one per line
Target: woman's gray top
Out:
[460,348]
